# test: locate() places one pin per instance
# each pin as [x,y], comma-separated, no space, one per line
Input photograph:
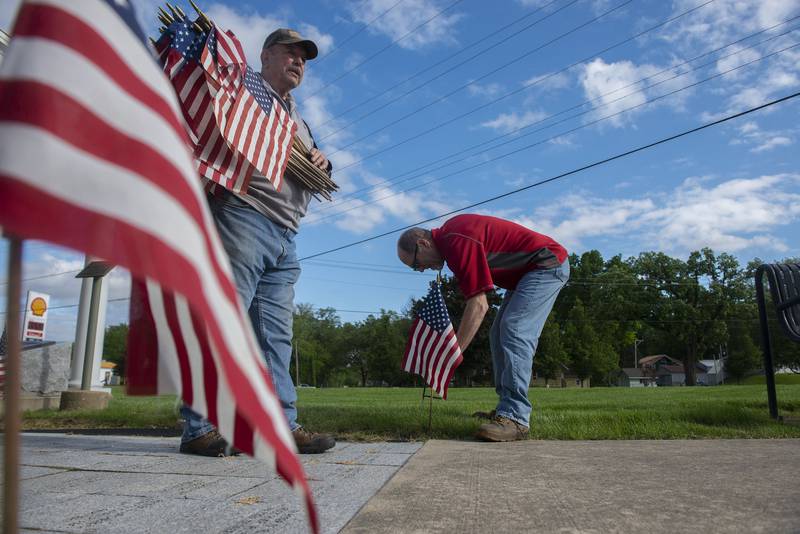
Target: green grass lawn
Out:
[399,414]
[783,378]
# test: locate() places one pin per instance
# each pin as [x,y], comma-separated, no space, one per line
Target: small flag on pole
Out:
[432,350]
[93,156]
[235,125]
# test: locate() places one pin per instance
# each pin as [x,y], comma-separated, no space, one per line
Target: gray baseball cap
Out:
[287,36]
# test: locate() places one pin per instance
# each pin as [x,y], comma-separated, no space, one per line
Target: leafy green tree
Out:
[689,301]
[551,356]
[115,346]
[589,354]
[744,356]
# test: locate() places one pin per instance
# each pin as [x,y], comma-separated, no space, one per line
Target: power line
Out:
[494,71]
[565,174]
[354,35]
[385,48]
[349,283]
[50,275]
[567,132]
[524,87]
[444,60]
[447,71]
[427,168]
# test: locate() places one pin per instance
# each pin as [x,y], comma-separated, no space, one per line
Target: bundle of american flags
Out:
[432,350]
[235,125]
[94,156]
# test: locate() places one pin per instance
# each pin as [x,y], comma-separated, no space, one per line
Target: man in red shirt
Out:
[484,252]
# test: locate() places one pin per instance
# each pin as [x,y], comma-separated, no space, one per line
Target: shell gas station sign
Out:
[35,316]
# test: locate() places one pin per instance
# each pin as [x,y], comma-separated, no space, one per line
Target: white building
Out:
[715,372]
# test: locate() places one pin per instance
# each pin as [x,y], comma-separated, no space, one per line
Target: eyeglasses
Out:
[414,264]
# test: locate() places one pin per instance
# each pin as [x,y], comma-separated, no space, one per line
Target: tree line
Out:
[699,308]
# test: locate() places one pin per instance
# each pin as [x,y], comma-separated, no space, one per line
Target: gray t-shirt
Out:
[287,206]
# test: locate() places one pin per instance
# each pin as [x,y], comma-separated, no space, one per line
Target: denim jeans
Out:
[515,335]
[265,269]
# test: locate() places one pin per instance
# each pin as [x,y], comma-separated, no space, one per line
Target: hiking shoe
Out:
[502,429]
[211,444]
[311,443]
[485,415]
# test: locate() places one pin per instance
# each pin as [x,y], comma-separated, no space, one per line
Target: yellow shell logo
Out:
[38,306]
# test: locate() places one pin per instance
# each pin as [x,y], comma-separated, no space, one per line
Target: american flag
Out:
[93,156]
[432,350]
[235,125]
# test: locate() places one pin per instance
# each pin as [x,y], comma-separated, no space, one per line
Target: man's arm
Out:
[474,312]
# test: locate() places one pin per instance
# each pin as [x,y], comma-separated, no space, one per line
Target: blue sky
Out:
[489,74]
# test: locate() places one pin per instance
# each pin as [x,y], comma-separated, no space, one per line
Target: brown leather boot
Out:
[502,429]
[211,444]
[311,443]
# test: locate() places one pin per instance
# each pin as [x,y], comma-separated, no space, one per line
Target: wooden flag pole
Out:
[12,388]
[430,413]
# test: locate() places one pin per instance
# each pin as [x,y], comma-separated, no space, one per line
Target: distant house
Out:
[671,375]
[714,373]
[564,379]
[675,375]
[657,361]
[667,371]
[632,377]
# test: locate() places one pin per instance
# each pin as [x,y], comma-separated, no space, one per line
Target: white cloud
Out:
[323,40]
[616,87]
[733,59]
[508,122]
[730,216]
[725,21]
[598,6]
[762,140]
[748,127]
[549,81]
[583,217]
[490,90]
[250,28]
[384,202]
[401,20]
[771,143]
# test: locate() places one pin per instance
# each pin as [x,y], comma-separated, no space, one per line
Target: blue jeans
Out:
[265,269]
[515,335]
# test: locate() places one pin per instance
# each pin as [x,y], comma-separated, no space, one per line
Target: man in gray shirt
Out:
[258,231]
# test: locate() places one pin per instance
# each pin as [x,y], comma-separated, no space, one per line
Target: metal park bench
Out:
[784,284]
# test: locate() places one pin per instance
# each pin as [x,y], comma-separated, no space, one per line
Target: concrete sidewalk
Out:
[591,487]
[132,484]
[128,484]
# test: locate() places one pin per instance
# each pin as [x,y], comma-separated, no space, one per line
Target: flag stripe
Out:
[63,25]
[193,351]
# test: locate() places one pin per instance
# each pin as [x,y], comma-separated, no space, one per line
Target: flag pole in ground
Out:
[12,387]
[430,413]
